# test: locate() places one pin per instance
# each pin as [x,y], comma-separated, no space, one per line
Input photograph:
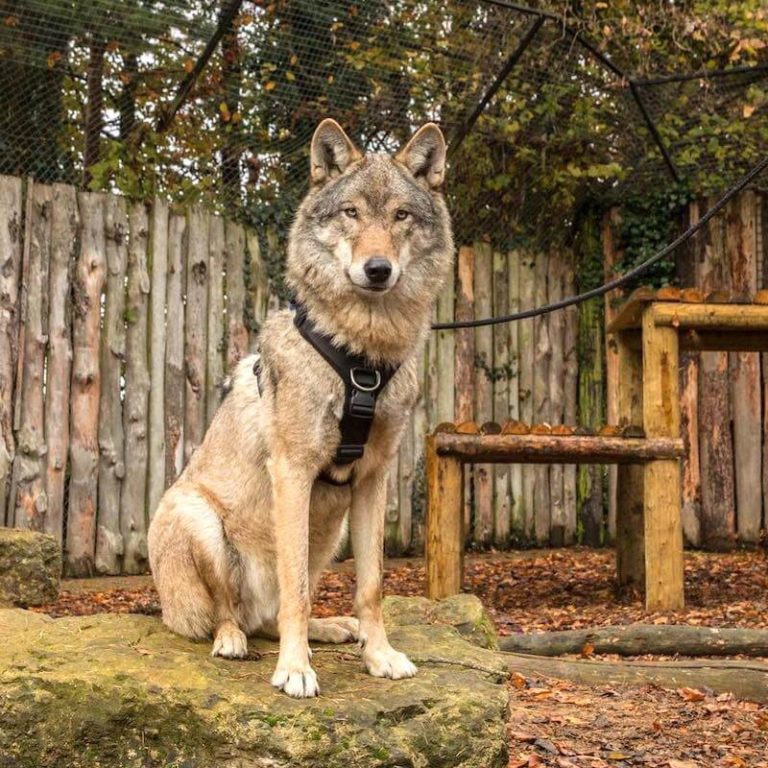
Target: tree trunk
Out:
[64,237]
[158,244]
[10,298]
[133,498]
[88,284]
[94,110]
[174,351]
[109,540]
[30,499]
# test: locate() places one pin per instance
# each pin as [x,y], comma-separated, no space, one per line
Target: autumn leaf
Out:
[270,86]
[691,694]
[189,65]
[518,681]
[748,110]
[53,58]
[588,650]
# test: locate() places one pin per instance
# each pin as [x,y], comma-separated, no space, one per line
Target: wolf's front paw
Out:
[299,683]
[230,642]
[387,662]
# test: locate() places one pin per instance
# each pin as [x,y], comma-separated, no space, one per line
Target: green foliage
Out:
[649,223]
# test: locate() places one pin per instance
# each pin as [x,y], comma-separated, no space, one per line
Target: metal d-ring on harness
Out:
[363,383]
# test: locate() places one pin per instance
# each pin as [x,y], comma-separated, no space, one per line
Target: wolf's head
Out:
[372,243]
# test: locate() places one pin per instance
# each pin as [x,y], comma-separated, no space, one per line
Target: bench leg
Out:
[630,554]
[444,525]
[664,569]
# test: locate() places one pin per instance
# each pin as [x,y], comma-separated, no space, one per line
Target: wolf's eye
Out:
[351,212]
[402,215]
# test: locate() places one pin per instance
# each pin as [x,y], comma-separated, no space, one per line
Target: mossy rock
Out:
[464,612]
[121,691]
[30,567]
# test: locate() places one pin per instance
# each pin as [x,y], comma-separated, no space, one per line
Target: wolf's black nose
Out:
[377,270]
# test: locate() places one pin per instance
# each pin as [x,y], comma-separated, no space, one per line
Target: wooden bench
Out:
[451,446]
[650,329]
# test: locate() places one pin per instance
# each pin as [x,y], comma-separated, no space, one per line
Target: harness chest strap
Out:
[363,383]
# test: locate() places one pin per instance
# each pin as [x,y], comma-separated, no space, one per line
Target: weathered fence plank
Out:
[570,406]
[10,279]
[715,445]
[89,279]
[216,341]
[526,344]
[517,519]
[741,247]
[445,352]
[465,361]
[483,473]
[502,501]
[259,282]
[174,350]
[556,274]
[196,330]
[158,259]
[29,497]
[64,238]
[109,540]
[133,498]
[237,330]
[541,397]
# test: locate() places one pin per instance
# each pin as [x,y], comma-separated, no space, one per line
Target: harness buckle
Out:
[365,379]
[362,405]
[348,453]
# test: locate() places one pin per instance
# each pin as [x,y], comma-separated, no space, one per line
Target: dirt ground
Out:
[554,723]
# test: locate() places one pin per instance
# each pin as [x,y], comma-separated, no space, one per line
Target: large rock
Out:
[30,567]
[119,691]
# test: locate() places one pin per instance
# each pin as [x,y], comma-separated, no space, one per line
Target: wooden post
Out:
[31,502]
[10,273]
[483,473]
[661,418]
[196,326]
[741,247]
[444,540]
[133,498]
[630,553]
[109,540]
[174,351]
[237,331]
[64,234]
[501,491]
[216,339]
[90,274]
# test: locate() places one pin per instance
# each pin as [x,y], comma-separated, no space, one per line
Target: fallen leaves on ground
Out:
[559,724]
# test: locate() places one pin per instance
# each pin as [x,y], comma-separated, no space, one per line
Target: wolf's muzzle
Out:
[377,270]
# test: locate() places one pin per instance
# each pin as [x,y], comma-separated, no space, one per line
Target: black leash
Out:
[622,280]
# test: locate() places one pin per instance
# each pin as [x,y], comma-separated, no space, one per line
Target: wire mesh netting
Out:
[113,95]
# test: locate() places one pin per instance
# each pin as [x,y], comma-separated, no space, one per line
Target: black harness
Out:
[363,383]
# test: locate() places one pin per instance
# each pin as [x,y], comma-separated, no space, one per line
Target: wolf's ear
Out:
[331,153]
[424,155]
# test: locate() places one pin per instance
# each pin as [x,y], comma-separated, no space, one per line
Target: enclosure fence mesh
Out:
[93,93]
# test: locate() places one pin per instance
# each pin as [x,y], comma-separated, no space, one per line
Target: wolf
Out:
[239,541]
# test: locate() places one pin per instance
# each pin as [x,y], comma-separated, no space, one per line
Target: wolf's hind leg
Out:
[336,629]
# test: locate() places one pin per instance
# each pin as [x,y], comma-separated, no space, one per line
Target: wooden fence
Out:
[117,322]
